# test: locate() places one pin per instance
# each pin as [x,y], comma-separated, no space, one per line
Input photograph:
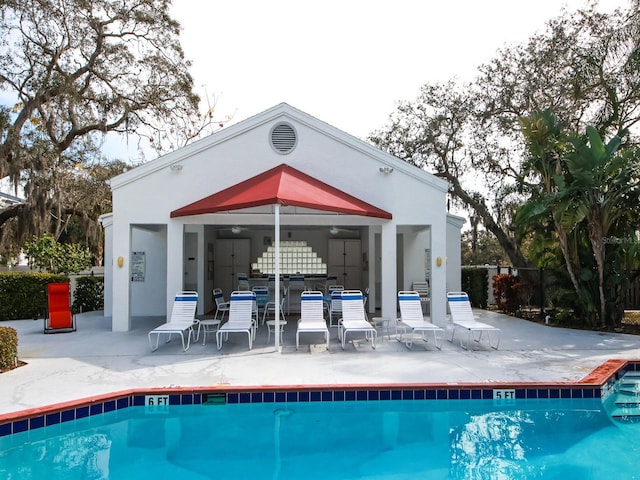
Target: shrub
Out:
[24,295]
[511,293]
[8,347]
[475,282]
[504,293]
[89,294]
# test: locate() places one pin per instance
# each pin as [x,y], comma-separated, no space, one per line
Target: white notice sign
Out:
[138,266]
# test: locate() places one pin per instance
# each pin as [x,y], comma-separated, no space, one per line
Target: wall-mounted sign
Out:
[138,266]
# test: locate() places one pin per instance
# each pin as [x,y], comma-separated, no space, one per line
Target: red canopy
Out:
[286,186]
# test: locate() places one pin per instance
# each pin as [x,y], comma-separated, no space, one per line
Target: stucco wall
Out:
[147,195]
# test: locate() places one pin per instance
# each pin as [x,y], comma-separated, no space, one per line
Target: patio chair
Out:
[335,305]
[241,318]
[331,279]
[222,306]
[296,287]
[270,306]
[243,282]
[262,298]
[211,325]
[462,317]
[354,318]
[424,291]
[271,285]
[312,316]
[413,322]
[59,318]
[181,322]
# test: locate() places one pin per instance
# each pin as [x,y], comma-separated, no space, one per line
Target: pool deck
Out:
[95,361]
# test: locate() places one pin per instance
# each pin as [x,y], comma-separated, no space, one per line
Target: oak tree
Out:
[72,72]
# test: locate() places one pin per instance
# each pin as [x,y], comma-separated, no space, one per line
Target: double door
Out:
[232,256]
[345,261]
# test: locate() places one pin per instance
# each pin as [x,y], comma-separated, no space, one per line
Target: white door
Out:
[232,256]
[345,261]
[190,262]
[353,264]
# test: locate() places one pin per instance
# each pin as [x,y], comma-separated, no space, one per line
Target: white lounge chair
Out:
[354,318]
[241,319]
[462,317]
[412,320]
[181,321]
[312,316]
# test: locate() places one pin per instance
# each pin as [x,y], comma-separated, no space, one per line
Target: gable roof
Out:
[285,112]
[282,185]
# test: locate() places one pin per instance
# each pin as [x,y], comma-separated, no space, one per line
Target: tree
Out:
[75,192]
[547,146]
[49,255]
[85,195]
[482,248]
[601,188]
[584,66]
[588,190]
[79,70]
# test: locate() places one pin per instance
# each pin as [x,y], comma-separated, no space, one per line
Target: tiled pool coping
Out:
[595,385]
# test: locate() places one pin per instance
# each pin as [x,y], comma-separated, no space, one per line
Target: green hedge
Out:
[89,294]
[8,347]
[24,295]
[475,281]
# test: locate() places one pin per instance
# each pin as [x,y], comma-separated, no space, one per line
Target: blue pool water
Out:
[531,439]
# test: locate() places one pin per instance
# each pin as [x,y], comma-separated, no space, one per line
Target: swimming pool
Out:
[394,439]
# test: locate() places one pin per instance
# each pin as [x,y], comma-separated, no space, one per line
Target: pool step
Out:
[623,399]
[626,414]
[629,389]
[625,402]
[629,384]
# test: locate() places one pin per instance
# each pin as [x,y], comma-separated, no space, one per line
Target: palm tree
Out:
[581,187]
[600,187]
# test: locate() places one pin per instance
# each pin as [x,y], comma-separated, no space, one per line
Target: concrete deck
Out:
[94,360]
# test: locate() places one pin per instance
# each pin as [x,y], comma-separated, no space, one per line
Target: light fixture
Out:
[333,230]
[176,167]
[386,170]
[236,229]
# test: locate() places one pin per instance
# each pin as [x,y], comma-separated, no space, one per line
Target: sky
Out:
[346,62]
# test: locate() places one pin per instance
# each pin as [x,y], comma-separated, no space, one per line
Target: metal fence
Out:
[544,280]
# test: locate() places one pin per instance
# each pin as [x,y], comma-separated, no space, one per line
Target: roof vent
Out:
[283,138]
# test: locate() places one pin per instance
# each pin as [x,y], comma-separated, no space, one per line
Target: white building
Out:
[7,199]
[195,218]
